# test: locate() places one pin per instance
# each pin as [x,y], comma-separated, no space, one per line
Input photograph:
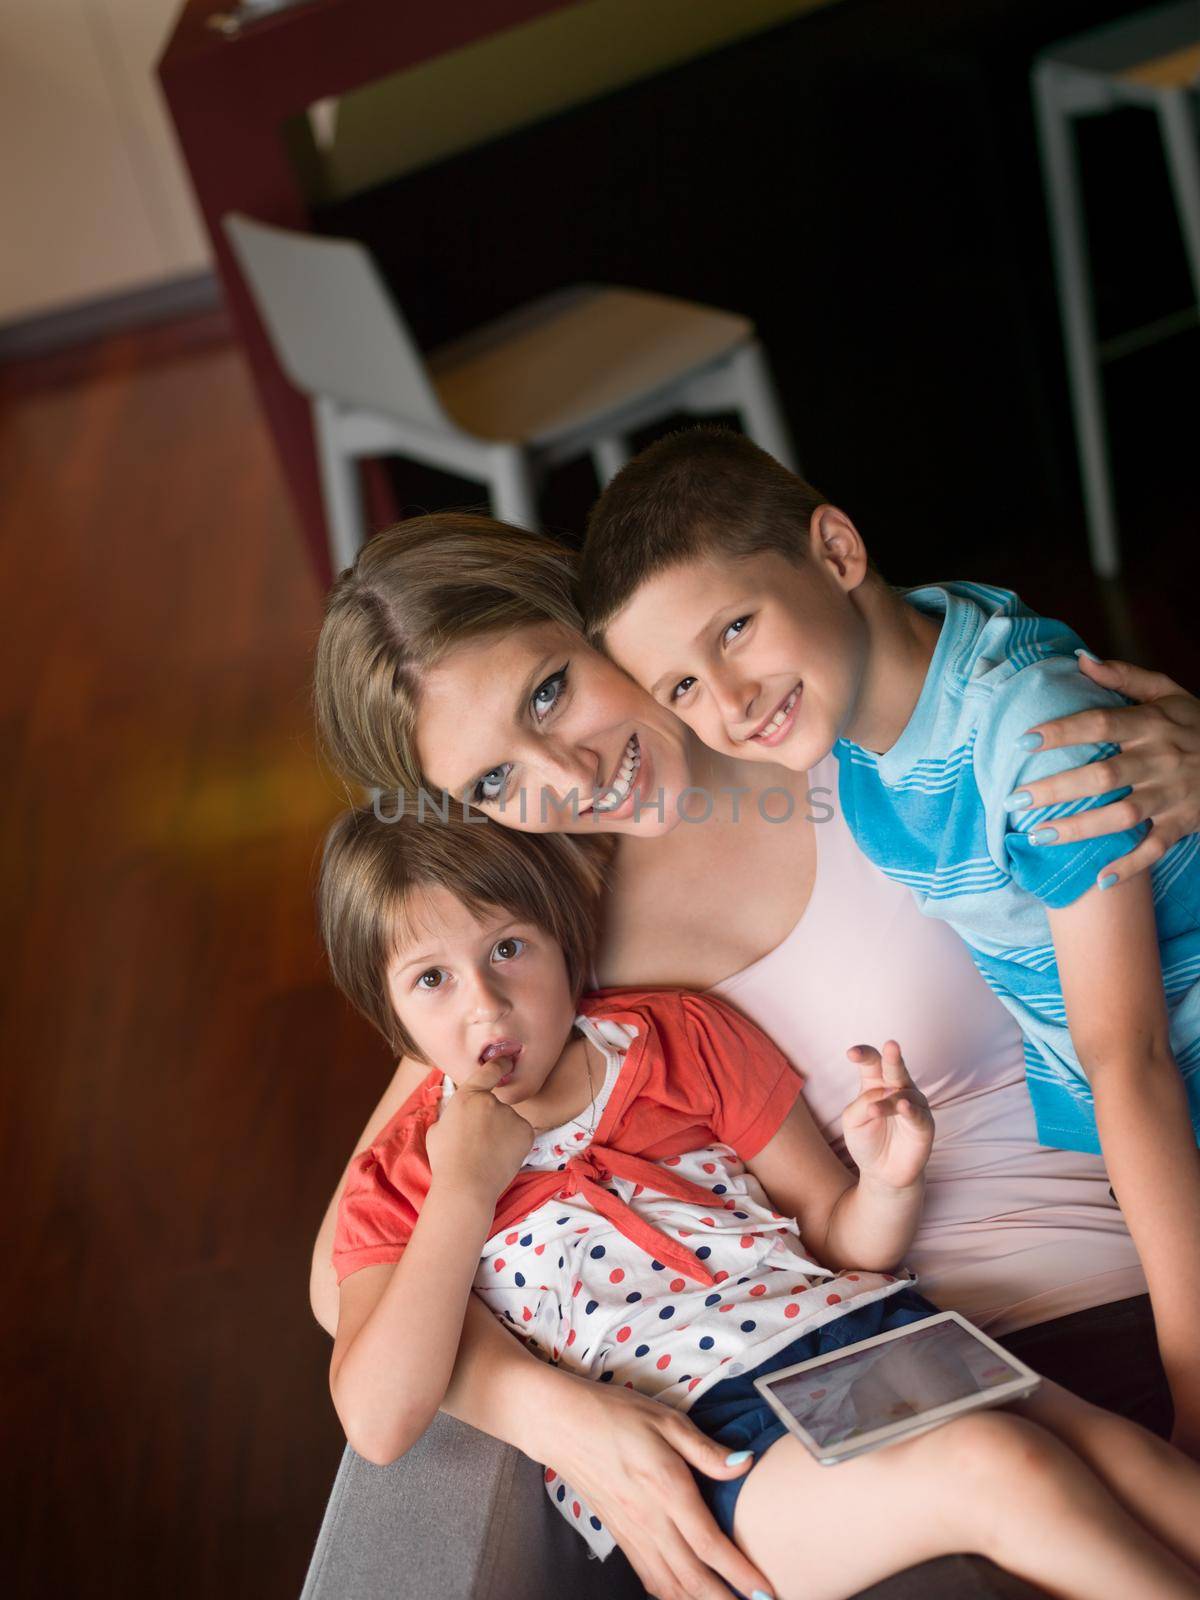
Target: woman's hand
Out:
[629,1457]
[478,1142]
[1159,760]
[888,1129]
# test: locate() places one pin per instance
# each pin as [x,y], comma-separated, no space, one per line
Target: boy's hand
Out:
[478,1142]
[889,1129]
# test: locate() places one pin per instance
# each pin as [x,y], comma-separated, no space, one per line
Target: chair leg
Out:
[609,455]
[1181,145]
[758,403]
[341,489]
[513,496]
[1068,239]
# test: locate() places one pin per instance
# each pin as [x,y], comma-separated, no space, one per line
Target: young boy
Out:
[735,595]
[612,1176]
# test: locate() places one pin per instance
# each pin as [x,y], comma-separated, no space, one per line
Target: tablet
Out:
[893,1386]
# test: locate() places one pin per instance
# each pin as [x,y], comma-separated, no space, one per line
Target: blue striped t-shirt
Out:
[931,813]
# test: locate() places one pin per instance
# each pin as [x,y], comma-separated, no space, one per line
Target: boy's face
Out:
[468,988]
[761,657]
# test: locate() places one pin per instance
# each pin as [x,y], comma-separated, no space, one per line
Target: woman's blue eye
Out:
[491,786]
[545,697]
[681,688]
[739,624]
[508,949]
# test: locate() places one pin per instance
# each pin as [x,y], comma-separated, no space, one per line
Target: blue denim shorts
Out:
[734,1413]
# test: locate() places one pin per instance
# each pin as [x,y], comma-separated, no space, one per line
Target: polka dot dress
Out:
[588,1298]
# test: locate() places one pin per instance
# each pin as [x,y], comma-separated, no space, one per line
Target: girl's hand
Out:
[1159,760]
[478,1142]
[629,1457]
[888,1130]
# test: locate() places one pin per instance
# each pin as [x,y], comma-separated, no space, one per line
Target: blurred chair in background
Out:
[1152,60]
[569,374]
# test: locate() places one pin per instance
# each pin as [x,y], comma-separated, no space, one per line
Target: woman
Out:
[452,656]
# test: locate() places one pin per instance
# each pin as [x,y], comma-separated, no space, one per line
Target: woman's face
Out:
[544,734]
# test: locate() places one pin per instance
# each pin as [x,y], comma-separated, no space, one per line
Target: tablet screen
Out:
[880,1385]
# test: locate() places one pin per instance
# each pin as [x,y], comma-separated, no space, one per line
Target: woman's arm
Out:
[1159,760]
[1107,950]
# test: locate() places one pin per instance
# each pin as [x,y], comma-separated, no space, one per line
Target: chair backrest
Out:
[334,329]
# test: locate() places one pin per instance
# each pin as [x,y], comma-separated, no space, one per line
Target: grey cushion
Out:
[464,1517]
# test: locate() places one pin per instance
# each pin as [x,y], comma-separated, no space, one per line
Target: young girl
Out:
[617,1179]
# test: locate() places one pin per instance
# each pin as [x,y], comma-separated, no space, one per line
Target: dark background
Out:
[181,1085]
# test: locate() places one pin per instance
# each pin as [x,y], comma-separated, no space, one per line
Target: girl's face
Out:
[544,734]
[472,988]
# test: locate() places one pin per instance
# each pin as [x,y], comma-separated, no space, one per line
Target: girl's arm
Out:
[399,1325]
[869,1222]
[1159,759]
[1107,949]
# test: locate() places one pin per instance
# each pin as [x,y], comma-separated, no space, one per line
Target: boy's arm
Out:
[1107,949]
[399,1326]
[869,1222]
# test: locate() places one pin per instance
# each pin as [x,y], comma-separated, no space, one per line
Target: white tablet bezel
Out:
[1023,1384]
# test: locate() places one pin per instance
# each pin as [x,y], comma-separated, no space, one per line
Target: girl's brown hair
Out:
[374,864]
[414,592]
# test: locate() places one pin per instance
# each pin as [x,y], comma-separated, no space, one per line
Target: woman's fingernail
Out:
[1044,835]
[1107,881]
[1029,741]
[1018,800]
[1090,654]
[759,1594]
[738,1456]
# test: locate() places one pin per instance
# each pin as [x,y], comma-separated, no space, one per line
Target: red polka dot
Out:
[853,1276]
[579,1136]
[799,1288]
[759,1288]
[576,1290]
[746,1241]
[538,1248]
[833,1299]
[616,1275]
[498,1264]
[693,1384]
[677,1284]
[580,1230]
[685,1233]
[628,1384]
[623,1334]
[637,1189]
[510,1238]
[729,1205]
[663,1363]
[527,1314]
[571,1338]
[708,1166]
[719,1277]
[671,1161]
[777,1216]
[575,1507]
[708,1222]
[791,1311]
[550,1474]
[728,1306]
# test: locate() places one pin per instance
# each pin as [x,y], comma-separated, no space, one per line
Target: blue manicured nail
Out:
[1090,654]
[1018,800]
[1044,835]
[1107,881]
[1029,741]
[738,1456]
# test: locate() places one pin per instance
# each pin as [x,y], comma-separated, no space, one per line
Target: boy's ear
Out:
[836,544]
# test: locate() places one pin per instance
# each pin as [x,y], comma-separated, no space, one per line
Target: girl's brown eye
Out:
[435,975]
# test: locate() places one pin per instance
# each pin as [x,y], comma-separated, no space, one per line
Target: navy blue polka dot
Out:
[519,1279]
[657,1265]
[590,1307]
[703,1253]
[630,1298]
[749,1327]
[560,1494]
[510,1316]
[562,1220]
[560,1261]
[526,1238]
[687,1378]
[707,1342]
[720,1188]
[606,1377]
[642,1350]
[713,1300]
[742,1216]
[667,1311]
[597,1251]
[595,1522]
[562,1167]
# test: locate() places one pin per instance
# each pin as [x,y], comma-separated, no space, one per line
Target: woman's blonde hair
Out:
[415,591]
[376,864]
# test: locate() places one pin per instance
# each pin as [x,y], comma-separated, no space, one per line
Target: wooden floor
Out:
[180,1084]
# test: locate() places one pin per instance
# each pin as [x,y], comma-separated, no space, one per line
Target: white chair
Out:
[572,373]
[1151,59]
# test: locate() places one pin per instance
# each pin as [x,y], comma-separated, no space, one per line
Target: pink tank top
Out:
[1012,1233]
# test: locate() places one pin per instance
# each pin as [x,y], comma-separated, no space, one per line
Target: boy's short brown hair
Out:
[700,490]
[372,866]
